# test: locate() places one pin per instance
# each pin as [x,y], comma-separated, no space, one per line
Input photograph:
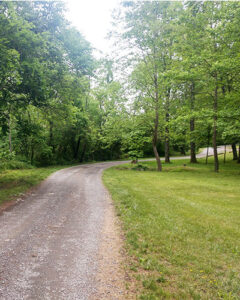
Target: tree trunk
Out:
[234,150]
[182,150]
[77,148]
[193,158]
[51,136]
[159,164]
[32,153]
[167,156]
[208,143]
[215,107]
[225,150]
[73,145]
[83,152]
[207,154]
[167,152]
[10,133]
[156,121]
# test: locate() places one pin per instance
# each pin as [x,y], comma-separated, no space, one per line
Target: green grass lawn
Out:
[182,228]
[15,182]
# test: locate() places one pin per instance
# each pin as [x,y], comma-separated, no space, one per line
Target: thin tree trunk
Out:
[225,150]
[167,151]
[73,146]
[193,158]
[32,153]
[159,164]
[234,150]
[208,143]
[83,152]
[215,107]
[207,155]
[182,150]
[10,133]
[51,136]
[167,140]
[167,154]
[77,148]
[156,121]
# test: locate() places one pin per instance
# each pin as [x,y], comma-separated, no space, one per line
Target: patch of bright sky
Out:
[93,19]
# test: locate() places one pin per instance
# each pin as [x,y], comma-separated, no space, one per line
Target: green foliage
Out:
[5,154]
[184,58]
[44,82]
[58,104]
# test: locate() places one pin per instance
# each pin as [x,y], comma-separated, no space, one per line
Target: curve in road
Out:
[49,242]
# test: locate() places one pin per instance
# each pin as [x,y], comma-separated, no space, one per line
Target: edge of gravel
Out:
[113,281]
[17,199]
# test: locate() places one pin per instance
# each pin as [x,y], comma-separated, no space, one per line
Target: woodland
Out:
[171,85]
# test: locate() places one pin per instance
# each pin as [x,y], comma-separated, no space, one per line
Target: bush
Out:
[140,167]
[45,156]
[14,165]
[135,154]
[5,154]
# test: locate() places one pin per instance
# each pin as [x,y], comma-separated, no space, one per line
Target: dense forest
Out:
[180,90]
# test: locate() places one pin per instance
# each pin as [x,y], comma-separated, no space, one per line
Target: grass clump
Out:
[15,182]
[182,228]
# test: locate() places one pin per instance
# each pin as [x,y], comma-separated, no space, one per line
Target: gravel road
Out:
[49,242]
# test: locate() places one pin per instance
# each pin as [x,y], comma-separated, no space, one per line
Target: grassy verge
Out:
[15,182]
[182,228]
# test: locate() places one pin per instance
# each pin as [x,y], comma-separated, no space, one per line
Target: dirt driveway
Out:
[54,243]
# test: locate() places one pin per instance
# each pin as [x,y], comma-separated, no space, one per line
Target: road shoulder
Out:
[112,278]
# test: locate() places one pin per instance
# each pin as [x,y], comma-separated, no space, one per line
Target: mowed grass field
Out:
[182,228]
